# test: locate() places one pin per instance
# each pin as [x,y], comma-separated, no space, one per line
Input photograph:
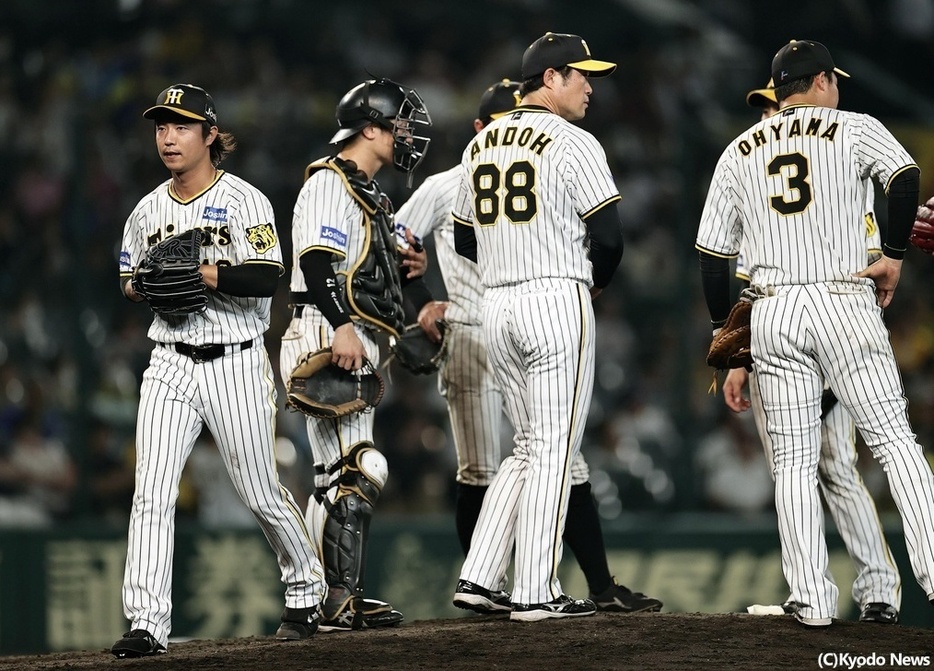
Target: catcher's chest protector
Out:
[373,288]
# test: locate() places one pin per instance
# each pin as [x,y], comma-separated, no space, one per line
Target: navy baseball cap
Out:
[762,97]
[186,100]
[802,58]
[499,99]
[556,50]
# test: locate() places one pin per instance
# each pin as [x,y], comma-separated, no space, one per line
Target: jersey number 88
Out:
[518,201]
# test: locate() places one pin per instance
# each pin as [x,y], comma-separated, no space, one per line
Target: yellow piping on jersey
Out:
[575,419]
[263,262]
[322,248]
[185,201]
[897,173]
[608,201]
[719,255]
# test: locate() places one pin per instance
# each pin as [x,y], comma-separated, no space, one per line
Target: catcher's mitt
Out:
[416,352]
[321,389]
[731,346]
[922,233]
[168,276]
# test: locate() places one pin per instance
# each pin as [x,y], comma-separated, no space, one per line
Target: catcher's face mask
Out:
[408,147]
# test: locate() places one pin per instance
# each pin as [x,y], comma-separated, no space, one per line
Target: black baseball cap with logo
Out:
[802,58]
[556,50]
[763,97]
[186,100]
[499,99]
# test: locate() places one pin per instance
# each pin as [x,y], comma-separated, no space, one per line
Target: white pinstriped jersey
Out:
[427,211]
[241,226]
[326,216]
[776,184]
[873,237]
[529,218]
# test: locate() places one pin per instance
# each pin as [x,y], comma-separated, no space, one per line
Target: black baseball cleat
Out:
[619,599]
[563,606]
[471,596]
[877,611]
[790,607]
[361,613]
[297,624]
[137,643]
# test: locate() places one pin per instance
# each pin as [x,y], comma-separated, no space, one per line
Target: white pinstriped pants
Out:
[475,407]
[234,397]
[800,336]
[540,339]
[850,504]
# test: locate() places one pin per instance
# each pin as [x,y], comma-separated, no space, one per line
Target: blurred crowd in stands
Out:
[76,157]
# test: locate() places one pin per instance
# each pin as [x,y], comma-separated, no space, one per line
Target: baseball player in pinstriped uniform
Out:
[535,191]
[339,228]
[791,189]
[208,370]
[475,403]
[877,588]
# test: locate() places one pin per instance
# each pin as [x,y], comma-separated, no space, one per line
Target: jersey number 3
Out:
[518,202]
[796,195]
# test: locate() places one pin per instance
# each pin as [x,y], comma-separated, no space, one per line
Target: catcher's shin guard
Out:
[349,502]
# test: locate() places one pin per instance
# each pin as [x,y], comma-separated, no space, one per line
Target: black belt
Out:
[299,309]
[202,353]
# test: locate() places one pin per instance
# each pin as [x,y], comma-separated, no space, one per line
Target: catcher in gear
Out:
[202,248]
[346,289]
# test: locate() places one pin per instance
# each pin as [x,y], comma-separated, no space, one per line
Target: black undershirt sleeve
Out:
[903,203]
[322,286]
[465,241]
[606,244]
[248,280]
[715,278]
[416,295]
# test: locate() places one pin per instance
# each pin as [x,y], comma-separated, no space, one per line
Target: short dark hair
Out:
[802,85]
[538,81]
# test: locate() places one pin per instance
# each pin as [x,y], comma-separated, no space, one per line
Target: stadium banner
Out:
[61,590]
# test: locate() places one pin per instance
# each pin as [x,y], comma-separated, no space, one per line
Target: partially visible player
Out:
[467,382]
[346,288]
[877,588]
[536,208]
[791,189]
[207,370]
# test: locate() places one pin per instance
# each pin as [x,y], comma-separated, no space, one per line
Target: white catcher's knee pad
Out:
[371,463]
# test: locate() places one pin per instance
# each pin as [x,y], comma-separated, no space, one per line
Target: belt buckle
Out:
[204,354]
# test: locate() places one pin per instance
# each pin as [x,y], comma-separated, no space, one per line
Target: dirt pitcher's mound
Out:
[650,641]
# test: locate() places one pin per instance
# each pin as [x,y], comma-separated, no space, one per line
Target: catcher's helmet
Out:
[392,106]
